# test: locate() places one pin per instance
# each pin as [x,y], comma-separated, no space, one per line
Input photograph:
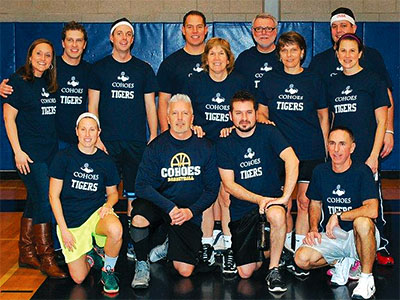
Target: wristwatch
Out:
[339,215]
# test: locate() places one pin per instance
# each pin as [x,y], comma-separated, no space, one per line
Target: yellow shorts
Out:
[83,238]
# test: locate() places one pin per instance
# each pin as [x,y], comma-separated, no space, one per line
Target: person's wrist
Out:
[389,131]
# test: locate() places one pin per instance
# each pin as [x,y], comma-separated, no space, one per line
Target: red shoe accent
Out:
[384,259]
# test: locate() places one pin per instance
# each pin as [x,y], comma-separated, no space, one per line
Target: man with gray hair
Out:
[254,62]
[177,180]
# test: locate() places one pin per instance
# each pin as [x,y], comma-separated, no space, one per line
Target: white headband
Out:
[88,115]
[121,23]
[342,17]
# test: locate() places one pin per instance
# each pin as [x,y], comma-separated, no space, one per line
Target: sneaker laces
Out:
[141,268]
[274,275]
[110,273]
[229,260]
[205,252]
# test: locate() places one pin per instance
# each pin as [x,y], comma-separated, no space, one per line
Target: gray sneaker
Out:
[142,275]
[159,252]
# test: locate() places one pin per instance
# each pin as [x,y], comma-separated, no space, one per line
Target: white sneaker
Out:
[365,288]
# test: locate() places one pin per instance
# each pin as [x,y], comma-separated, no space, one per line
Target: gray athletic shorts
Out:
[335,249]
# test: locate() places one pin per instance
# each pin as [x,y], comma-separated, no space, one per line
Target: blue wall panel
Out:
[155,41]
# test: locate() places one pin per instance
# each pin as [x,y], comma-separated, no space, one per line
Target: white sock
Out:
[110,262]
[366,275]
[207,240]
[228,241]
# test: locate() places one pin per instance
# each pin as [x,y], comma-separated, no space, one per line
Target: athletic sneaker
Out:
[355,271]
[365,288]
[208,254]
[274,281]
[94,259]
[130,252]
[286,258]
[297,271]
[384,258]
[109,280]
[228,264]
[142,275]
[219,243]
[159,252]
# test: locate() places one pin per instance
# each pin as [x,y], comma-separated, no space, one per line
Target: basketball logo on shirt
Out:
[47,109]
[291,90]
[198,68]
[44,93]
[251,162]
[218,98]
[73,82]
[266,68]
[86,180]
[122,77]
[338,201]
[181,169]
[86,168]
[249,154]
[346,107]
[347,90]
[122,93]
[338,191]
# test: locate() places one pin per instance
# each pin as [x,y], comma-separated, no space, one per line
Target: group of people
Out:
[236,138]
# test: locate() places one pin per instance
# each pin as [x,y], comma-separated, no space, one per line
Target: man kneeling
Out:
[348,197]
[179,179]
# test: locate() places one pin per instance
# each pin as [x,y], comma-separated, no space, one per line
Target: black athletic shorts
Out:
[127,156]
[244,238]
[184,240]
[306,168]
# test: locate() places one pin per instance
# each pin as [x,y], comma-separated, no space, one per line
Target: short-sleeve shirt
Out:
[72,97]
[211,101]
[122,88]
[253,65]
[255,162]
[176,69]
[340,192]
[327,65]
[85,178]
[353,100]
[293,102]
[180,173]
[36,117]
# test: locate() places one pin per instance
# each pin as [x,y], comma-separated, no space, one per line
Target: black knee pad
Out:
[138,233]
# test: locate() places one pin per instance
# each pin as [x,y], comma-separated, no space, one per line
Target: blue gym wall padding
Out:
[155,41]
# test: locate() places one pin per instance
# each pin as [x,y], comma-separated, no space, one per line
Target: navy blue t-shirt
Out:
[340,192]
[85,178]
[353,100]
[176,69]
[36,117]
[211,101]
[293,102]
[256,163]
[179,173]
[253,65]
[72,97]
[122,87]
[327,65]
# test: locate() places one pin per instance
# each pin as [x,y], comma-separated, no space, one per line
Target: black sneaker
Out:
[229,269]
[274,281]
[295,270]
[286,259]
[207,255]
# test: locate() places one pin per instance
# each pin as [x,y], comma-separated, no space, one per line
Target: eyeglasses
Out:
[266,29]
